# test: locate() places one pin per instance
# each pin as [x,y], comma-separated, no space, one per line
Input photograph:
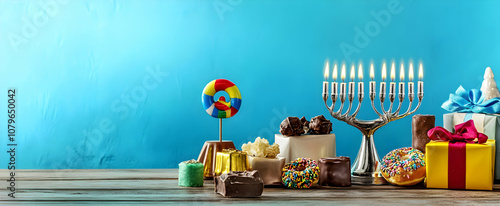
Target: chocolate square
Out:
[239,184]
[335,171]
[420,125]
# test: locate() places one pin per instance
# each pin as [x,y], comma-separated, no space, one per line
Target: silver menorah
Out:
[366,167]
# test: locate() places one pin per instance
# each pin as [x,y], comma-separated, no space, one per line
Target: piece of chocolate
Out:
[269,168]
[335,171]
[320,125]
[239,184]
[291,126]
[305,124]
[420,125]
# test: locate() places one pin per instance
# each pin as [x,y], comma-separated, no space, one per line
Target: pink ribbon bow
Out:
[465,132]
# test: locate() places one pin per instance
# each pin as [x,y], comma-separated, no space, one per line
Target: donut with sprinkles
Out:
[301,173]
[404,167]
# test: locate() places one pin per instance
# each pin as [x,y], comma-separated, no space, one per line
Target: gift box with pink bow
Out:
[463,159]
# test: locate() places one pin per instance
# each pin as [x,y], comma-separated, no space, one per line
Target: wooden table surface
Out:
[159,186]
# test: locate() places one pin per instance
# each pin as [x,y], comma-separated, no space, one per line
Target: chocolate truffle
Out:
[320,125]
[239,184]
[420,125]
[291,126]
[335,171]
[305,124]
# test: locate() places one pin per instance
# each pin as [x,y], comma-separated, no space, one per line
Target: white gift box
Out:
[311,146]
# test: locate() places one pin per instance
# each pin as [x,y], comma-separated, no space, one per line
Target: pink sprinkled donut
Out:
[405,166]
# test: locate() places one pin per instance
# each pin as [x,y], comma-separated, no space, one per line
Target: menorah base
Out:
[367,180]
[366,168]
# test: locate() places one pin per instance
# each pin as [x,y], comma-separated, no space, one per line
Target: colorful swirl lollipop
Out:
[221,108]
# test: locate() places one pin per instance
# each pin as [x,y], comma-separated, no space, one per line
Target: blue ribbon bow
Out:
[471,101]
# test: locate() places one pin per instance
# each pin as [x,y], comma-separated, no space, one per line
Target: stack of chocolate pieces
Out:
[293,126]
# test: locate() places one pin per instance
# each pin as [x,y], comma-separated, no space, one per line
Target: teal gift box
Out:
[488,124]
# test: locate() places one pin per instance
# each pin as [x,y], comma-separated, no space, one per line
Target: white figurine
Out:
[489,86]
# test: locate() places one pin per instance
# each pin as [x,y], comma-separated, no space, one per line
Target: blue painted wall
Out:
[117,84]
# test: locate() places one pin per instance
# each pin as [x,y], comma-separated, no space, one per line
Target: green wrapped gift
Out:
[488,124]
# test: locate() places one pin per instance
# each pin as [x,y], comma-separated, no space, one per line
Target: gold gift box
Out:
[230,160]
[480,165]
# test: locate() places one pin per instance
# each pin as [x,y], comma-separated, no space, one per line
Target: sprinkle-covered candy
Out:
[301,173]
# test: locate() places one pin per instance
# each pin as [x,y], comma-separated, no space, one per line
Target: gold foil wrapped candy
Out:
[230,160]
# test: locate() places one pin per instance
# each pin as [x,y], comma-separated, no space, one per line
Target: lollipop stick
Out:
[220,129]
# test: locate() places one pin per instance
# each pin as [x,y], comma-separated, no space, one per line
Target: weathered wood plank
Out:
[159,186]
[94,174]
[270,196]
[169,188]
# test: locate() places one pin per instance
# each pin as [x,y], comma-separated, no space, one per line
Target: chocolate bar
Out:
[239,184]
[419,126]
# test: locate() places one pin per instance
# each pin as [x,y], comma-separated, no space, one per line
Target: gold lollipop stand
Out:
[209,152]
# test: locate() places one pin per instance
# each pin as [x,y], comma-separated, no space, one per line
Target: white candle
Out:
[342,76]
[392,89]
[372,83]
[401,80]
[351,83]
[361,85]
[325,83]
[420,82]
[411,90]
[384,74]
[334,83]
[353,74]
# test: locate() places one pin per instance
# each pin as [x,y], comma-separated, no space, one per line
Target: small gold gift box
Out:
[230,160]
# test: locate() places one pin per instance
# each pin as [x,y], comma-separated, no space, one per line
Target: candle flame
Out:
[334,74]
[393,71]
[342,72]
[384,71]
[327,70]
[372,71]
[353,74]
[420,71]
[410,75]
[402,72]
[360,72]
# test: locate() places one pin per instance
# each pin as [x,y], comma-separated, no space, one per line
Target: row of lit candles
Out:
[372,82]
